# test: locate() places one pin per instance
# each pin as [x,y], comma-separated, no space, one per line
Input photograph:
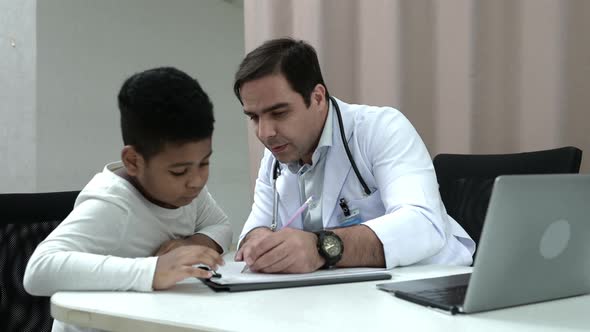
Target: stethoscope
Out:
[276,172]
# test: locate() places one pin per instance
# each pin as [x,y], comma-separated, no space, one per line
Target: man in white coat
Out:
[376,204]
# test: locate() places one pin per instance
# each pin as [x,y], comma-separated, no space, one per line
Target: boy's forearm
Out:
[72,270]
[204,240]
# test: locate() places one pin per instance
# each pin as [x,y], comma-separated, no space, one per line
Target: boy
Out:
[142,223]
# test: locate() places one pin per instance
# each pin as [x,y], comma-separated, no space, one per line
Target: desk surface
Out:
[192,306]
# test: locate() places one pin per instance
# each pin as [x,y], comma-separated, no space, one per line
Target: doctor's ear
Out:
[132,160]
[318,95]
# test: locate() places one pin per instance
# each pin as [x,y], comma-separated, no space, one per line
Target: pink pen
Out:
[298,212]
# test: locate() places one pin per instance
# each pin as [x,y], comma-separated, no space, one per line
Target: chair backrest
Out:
[27,218]
[466,181]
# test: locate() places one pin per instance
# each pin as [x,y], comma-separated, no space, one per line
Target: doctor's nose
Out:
[266,129]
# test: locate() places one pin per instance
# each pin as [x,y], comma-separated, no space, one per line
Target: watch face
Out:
[332,246]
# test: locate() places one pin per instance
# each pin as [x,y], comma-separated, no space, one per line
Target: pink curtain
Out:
[473,76]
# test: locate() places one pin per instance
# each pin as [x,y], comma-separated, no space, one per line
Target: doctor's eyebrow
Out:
[268,109]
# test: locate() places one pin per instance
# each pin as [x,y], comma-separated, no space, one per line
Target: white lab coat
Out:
[404,210]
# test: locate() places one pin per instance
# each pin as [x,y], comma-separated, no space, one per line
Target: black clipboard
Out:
[241,287]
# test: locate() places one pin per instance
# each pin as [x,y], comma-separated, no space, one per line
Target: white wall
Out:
[86,48]
[17,95]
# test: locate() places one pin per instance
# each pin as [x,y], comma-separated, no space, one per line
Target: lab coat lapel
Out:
[337,165]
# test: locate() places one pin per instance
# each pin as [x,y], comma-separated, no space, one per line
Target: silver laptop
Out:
[535,246]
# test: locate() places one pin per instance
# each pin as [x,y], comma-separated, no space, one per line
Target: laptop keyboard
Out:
[449,295]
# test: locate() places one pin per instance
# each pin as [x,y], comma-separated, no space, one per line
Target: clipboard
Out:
[233,280]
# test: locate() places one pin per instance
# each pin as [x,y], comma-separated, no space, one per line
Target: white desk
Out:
[346,307]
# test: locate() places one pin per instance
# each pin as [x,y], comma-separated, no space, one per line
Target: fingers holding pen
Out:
[178,264]
[265,258]
[285,251]
[290,251]
[251,242]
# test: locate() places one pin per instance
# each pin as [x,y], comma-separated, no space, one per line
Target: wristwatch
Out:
[330,247]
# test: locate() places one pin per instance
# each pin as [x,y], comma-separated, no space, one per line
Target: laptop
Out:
[535,246]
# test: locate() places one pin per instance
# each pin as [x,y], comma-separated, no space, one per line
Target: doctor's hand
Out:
[177,265]
[252,240]
[286,251]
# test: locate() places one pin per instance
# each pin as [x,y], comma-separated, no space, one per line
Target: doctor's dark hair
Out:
[163,106]
[296,60]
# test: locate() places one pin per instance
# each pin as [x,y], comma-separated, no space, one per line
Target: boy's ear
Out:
[132,160]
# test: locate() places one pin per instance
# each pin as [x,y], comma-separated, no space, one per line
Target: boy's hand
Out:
[170,245]
[177,265]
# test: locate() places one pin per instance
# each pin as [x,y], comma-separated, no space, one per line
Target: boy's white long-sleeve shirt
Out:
[109,239]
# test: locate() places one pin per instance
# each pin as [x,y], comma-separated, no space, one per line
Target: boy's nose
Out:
[197,180]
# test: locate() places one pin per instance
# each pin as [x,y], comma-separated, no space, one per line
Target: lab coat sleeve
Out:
[261,214]
[414,226]
[212,221]
[75,255]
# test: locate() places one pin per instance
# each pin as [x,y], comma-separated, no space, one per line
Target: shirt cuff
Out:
[148,273]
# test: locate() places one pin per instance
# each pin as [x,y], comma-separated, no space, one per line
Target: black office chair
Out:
[27,219]
[466,181]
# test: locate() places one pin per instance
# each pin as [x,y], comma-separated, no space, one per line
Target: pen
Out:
[298,212]
[293,217]
[214,274]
